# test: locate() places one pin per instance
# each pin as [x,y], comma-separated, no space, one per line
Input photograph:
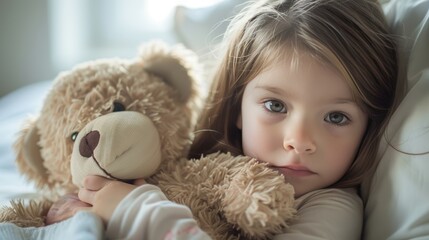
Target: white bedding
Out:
[14,108]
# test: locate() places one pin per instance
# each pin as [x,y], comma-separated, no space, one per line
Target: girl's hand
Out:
[64,208]
[139,182]
[103,194]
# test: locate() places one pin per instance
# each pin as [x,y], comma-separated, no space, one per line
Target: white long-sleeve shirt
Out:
[330,213]
[145,213]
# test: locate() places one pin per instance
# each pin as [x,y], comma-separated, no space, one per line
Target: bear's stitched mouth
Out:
[108,174]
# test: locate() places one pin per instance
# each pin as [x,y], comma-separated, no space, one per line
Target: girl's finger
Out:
[139,182]
[95,183]
[86,195]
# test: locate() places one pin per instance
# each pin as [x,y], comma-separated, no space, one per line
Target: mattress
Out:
[14,109]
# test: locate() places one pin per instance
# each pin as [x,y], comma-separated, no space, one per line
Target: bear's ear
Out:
[29,159]
[176,66]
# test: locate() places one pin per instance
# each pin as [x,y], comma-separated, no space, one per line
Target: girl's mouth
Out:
[294,170]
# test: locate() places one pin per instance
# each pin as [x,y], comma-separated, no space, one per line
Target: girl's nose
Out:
[299,140]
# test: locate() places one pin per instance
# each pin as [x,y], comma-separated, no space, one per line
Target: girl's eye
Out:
[275,106]
[337,118]
[118,107]
[74,136]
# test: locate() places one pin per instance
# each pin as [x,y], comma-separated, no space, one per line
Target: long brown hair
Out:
[350,35]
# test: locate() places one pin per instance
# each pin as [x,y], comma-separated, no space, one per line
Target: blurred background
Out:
[40,38]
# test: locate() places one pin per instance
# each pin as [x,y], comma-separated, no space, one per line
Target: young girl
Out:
[304,85]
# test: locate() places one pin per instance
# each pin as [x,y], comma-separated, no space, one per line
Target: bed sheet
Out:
[15,107]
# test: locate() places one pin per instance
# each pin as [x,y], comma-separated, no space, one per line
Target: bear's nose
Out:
[88,143]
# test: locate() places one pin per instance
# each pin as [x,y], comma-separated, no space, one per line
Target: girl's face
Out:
[303,122]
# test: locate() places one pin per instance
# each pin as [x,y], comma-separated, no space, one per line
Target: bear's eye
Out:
[118,107]
[74,136]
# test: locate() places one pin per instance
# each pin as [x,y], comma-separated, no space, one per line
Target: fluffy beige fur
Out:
[231,197]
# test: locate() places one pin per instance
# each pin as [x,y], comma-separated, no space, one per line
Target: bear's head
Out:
[116,118]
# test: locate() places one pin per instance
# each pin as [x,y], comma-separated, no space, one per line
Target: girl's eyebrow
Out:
[272,89]
[280,91]
[344,101]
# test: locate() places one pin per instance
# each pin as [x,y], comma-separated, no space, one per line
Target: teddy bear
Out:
[127,119]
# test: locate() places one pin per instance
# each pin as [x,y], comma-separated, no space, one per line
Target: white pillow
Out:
[397,197]
[202,28]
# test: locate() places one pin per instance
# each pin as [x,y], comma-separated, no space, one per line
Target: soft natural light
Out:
[197,3]
[158,12]
[83,30]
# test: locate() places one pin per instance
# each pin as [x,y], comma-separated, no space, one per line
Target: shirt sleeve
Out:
[327,214]
[146,213]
